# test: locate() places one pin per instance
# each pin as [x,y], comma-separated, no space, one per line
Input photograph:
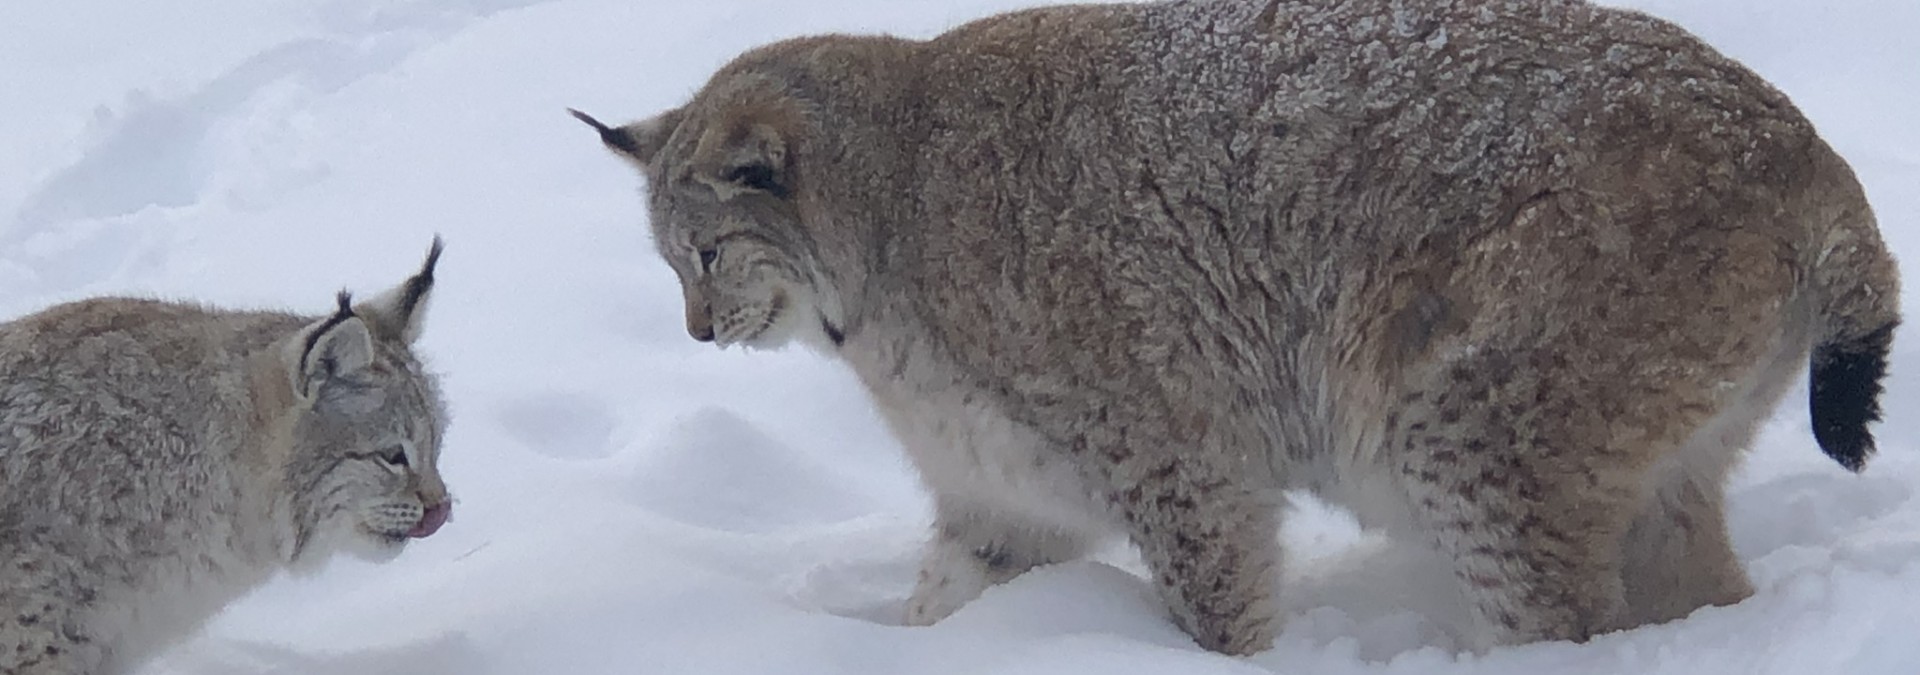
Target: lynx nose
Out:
[431,521]
[702,333]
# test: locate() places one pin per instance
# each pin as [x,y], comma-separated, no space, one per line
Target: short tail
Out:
[1859,307]
[1844,394]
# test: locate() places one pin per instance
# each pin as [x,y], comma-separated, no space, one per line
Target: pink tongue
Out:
[430,523]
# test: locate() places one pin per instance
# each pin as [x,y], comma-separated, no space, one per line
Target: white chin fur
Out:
[376,548]
[774,337]
[797,321]
[353,541]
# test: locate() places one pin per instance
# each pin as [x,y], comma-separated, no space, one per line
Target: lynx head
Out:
[364,427]
[724,194]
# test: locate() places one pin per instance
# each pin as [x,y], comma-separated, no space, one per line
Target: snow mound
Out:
[715,469]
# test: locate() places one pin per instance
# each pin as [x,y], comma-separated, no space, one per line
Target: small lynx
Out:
[1514,279]
[159,459]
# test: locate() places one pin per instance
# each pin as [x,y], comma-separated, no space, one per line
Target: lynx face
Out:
[366,421]
[724,216]
[743,276]
[372,448]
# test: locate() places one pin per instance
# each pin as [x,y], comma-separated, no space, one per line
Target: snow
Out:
[631,501]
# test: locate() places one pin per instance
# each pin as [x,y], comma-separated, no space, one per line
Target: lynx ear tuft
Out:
[613,138]
[638,142]
[396,314]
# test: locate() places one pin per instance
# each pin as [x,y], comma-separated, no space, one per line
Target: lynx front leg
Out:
[40,633]
[974,547]
[1213,549]
[30,649]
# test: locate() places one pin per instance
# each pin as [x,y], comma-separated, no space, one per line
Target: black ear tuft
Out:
[639,141]
[614,138]
[416,288]
[396,313]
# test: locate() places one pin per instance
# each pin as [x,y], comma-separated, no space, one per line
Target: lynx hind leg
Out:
[1677,556]
[1509,467]
[975,547]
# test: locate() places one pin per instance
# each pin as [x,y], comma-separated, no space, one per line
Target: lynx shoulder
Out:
[1512,279]
[160,459]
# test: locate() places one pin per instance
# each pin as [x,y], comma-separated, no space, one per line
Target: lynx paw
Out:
[947,582]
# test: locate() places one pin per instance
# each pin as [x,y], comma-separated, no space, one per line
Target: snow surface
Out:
[634,502]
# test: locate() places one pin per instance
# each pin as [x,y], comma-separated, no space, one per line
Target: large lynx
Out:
[1513,278]
[158,460]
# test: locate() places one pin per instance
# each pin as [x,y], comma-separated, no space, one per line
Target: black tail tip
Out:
[1843,392]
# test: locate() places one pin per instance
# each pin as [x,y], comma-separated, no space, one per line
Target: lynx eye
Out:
[707,257]
[396,456]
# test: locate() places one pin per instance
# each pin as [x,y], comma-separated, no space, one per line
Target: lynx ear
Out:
[637,142]
[748,155]
[330,350]
[395,316]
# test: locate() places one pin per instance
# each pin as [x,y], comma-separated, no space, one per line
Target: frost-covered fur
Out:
[158,460]
[1514,278]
